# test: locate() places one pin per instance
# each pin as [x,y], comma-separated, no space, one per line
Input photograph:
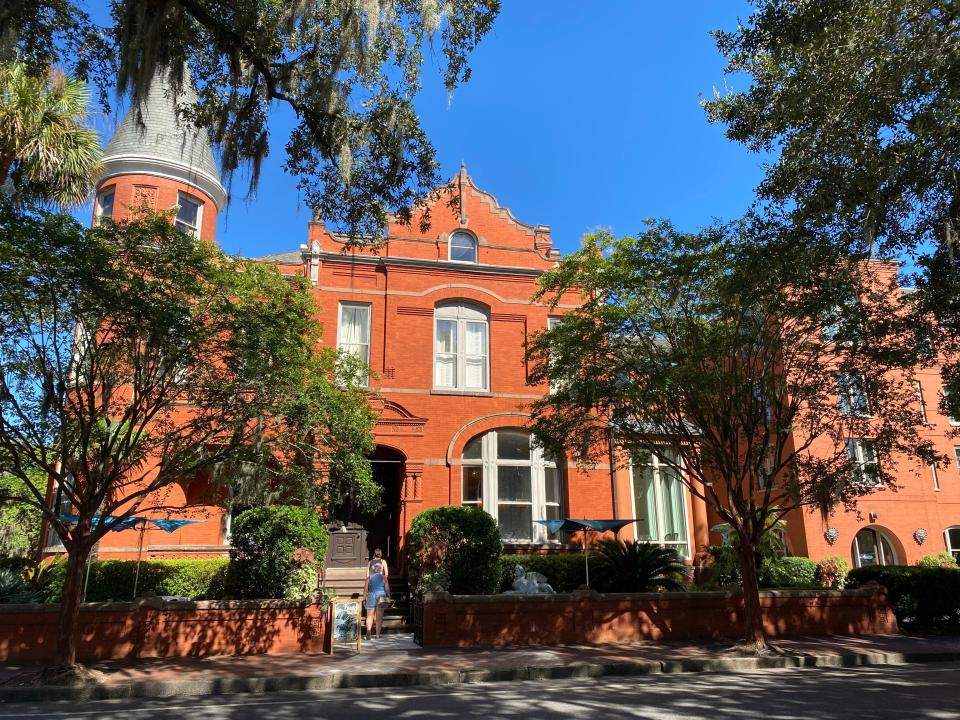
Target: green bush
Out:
[788,572]
[832,572]
[113,579]
[628,566]
[463,542]
[565,572]
[943,559]
[725,568]
[921,596]
[13,588]
[263,541]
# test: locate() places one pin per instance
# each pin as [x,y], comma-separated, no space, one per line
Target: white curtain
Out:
[475,355]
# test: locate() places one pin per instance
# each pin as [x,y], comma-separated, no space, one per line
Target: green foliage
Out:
[263,541]
[347,70]
[788,572]
[113,579]
[13,589]
[19,520]
[725,568]
[858,103]
[469,547]
[564,571]
[924,597]
[47,149]
[628,566]
[944,559]
[832,572]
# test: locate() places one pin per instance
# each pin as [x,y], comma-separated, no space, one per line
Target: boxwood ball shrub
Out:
[787,572]
[113,579]
[263,541]
[464,540]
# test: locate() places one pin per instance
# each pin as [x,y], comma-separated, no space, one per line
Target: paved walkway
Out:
[396,660]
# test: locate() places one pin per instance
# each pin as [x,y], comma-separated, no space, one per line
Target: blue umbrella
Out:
[167,525]
[574,525]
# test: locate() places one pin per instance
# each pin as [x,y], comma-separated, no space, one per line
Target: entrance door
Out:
[383,526]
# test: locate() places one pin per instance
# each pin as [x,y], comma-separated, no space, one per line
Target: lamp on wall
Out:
[873,517]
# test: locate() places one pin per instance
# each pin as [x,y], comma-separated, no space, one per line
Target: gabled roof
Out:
[152,140]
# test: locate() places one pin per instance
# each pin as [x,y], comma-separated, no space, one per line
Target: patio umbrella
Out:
[574,525]
[168,525]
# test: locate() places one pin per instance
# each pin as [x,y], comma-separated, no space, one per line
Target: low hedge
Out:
[786,572]
[922,596]
[564,572]
[113,579]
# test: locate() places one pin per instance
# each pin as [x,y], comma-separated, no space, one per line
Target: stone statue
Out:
[529,583]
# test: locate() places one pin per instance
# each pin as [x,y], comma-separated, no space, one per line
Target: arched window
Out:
[951,537]
[463,247]
[513,481]
[659,499]
[461,347]
[872,547]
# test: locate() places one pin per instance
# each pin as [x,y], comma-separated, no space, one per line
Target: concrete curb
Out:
[435,678]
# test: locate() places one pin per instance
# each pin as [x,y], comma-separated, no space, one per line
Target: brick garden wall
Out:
[588,617]
[151,628]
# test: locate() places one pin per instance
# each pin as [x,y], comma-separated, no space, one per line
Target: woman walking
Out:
[376,591]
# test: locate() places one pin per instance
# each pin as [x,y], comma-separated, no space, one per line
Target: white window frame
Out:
[489,499]
[473,240]
[186,227]
[936,478]
[879,535]
[860,460]
[848,385]
[105,192]
[463,313]
[345,347]
[552,322]
[655,462]
[956,452]
[952,549]
[952,420]
[921,401]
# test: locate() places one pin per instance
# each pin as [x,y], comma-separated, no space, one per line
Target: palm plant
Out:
[13,589]
[47,152]
[627,566]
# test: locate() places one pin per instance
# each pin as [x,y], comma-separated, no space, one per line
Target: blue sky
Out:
[578,115]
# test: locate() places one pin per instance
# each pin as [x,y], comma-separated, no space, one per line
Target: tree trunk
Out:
[752,615]
[68,631]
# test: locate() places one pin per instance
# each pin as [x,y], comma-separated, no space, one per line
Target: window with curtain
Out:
[105,203]
[514,481]
[872,547]
[189,212]
[660,502]
[852,393]
[353,333]
[461,349]
[463,247]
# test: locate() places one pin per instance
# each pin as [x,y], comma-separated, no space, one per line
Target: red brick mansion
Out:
[441,317]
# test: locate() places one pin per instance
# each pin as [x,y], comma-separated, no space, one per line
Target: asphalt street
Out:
[904,692]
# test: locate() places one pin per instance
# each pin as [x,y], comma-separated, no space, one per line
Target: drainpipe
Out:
[612,449]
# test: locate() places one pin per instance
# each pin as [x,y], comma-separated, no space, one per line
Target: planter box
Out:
[152,628]
[589,617]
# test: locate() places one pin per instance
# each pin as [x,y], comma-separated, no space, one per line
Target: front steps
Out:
[348,582]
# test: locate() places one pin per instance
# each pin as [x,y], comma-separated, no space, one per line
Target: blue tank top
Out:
[376,577]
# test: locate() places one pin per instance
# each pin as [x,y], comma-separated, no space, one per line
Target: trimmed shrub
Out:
[113,579]
[922,596]
[264,540]
[460,546]
[565,572]
[943,559]
[832,572]
[628,566]
[788,572]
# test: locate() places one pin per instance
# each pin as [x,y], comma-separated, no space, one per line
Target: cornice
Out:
[117,165]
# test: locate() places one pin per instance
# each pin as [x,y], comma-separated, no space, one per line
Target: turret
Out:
[159,161]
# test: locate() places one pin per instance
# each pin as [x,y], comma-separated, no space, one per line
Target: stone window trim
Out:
[465,245]
[456,365]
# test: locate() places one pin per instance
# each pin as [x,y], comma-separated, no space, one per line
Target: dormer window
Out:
[189,214]
[105,204]
[463,247]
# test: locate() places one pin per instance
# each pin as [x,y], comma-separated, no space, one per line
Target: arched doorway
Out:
[383,526]
[872,546]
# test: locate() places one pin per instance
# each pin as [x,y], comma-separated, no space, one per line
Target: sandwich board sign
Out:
[345,614]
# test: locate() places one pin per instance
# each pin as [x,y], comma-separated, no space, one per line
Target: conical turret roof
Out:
[156,142]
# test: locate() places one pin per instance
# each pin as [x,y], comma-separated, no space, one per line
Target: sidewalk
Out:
[397,661]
